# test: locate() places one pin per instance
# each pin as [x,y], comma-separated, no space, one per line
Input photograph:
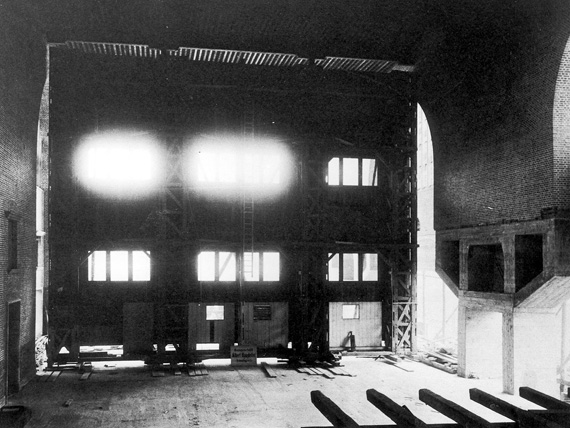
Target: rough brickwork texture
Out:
[488,84]
[22,73]
[561,130]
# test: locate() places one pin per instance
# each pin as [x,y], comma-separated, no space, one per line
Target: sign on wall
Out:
[244,355]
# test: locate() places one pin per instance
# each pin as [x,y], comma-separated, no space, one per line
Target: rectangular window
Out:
[352,172]
[207,266]
[354,267]
[118,266]
[97,266]
[207,346]
[271,266]
[217,266]
[12,244]
[350,267]
[214,313]
[350,312]
[227,266]
[370,267]
[334,267]
[369,172]
[261,266]
[141,266]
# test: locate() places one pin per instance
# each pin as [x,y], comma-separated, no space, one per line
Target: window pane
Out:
[370,267]
[350,312]
[227,167]
[251,168]
[333,267]
[97,266]
[214,313]
[119,265]
[251,266]
[227,266]
[350,267]
[207,165]
[206,266]
[141,266]
[369,173]
[334,172]
[350,172]
[271,266]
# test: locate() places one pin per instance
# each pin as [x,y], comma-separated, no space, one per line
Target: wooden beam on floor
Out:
[269,371]
[331,411]
[542,399]
[452,410]
[495,404]
[399,414]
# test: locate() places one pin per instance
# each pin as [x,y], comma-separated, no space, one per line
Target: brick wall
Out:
[561,131]
[487,83]
[22,73]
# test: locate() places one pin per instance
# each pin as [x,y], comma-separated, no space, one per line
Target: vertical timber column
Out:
[404,259]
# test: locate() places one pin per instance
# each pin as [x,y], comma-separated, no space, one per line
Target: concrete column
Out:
[508,353]
[508,244]
[480,343]
[537,350]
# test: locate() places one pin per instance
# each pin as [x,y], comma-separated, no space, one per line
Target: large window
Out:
[261,266]
[217,266]
[222,266]
[118,266]
[352,172]
[353,267]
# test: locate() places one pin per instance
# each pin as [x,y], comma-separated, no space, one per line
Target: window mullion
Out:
[130,266]
[216,266]
[107,265]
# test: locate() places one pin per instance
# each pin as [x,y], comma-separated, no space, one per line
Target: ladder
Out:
[247,195]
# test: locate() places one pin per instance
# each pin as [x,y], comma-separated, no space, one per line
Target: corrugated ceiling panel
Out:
[234,57]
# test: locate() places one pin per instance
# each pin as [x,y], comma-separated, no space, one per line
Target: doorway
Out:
[13,348]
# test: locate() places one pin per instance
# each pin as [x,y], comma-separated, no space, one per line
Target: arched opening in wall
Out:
[437,305]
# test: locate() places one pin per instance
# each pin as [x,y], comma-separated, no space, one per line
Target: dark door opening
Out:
[13,349]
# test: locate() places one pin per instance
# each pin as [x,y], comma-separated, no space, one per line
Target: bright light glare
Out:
[224,164]
[119,163]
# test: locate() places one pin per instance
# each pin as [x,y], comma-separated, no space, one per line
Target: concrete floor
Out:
[125,394]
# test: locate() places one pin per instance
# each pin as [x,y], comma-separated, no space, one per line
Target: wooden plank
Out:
[453,411]
[339,371]
[399,414]
[201,369]
[55,374]
[269,372]
[85,376]
[323,373]
[331,411]
[542,399]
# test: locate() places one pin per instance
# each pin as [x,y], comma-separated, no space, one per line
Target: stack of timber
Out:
[329,371]
[445,362]
[556,413]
